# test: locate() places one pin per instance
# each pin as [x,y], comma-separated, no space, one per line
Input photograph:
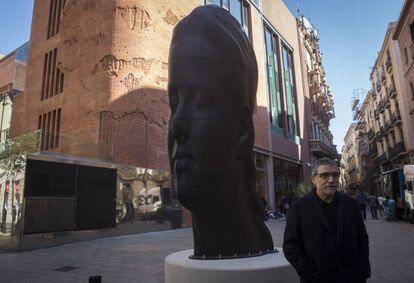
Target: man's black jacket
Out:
[315,252]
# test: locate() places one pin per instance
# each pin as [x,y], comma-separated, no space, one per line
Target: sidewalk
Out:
[140,258]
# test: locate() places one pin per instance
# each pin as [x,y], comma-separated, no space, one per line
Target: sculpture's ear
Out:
[246,132]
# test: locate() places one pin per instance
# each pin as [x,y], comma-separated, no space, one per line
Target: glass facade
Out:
[238,8]
[286,179]
[48,196]
[273,78]
[292,127]
[281,86]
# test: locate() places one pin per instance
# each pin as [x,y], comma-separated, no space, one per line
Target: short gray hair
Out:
[322,161]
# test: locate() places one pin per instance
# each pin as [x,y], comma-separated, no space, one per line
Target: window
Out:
[55,12]
[412,30]
[256,2]
[49,125]
[238,8]
[412,90]
[281,85]
[215,2]
[290,92]
[273,78]
[53,77]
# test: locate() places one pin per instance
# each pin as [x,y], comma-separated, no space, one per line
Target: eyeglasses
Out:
[325,176]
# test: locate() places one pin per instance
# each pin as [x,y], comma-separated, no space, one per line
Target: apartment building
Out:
[321,99]
[404,36]
[385,129]
[349,161]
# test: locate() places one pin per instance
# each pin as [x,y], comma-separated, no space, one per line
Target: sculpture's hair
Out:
[202,39]
[322,161]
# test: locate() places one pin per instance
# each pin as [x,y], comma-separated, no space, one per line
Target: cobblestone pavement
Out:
[140,258]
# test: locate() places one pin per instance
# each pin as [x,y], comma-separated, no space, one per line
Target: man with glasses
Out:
[325,237]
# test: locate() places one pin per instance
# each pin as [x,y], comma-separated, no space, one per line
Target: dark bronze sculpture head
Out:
[212,89]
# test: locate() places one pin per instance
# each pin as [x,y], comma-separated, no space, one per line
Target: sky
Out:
[15,23]
[351,33]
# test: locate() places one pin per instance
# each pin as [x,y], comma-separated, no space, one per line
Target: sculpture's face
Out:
[204,130]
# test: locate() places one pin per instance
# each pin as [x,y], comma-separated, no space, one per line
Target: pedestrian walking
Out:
[362,202]
[284,204]
[325,238]
[373,206]
[381,209]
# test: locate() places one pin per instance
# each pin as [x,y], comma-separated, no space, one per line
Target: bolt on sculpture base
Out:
[212,90]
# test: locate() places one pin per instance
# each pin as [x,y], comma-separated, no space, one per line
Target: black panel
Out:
[50,179]
[49,215]
[95,198]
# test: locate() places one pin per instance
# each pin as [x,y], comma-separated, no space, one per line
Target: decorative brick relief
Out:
[135,17]
[142,64]
[171,18]
[98,39]
[161,81]
[71,40]
[111,64]
[131,82]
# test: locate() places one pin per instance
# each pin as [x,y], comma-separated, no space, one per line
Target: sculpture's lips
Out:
[182,162]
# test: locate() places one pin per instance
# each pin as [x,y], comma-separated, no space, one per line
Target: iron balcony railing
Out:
[397,149]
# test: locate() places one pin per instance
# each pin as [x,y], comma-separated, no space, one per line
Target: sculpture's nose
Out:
[181,130]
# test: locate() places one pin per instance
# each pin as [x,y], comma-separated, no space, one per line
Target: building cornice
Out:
[402,18]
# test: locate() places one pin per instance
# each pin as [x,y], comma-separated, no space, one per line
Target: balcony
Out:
[388,126]
[391,91]
[376,114]
[381,105]
[382,158]
[395,118]
[388,65]
[314,89]
[397,150]
[378,86]
[320,148]
[370,133]
[383,79]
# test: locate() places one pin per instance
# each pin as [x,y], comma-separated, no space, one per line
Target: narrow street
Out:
[140,258]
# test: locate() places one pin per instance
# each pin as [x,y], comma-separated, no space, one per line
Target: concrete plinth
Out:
[267,268]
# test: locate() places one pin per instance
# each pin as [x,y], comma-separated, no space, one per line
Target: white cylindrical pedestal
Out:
[267,268]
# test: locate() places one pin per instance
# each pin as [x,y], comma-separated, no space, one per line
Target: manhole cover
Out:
[66,268]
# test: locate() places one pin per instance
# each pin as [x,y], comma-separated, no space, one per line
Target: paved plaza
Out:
[140,258]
